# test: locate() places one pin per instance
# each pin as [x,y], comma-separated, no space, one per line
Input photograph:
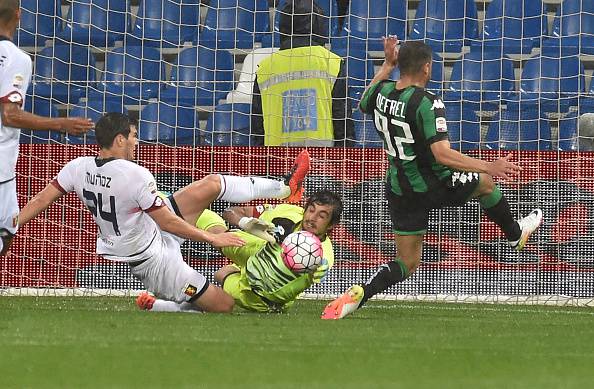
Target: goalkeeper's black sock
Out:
[387,275]
[497,209]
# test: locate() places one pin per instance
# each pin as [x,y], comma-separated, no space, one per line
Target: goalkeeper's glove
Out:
[258,227]
[321,272]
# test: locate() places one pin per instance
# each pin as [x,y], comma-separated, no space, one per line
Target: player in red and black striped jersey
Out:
[424,172]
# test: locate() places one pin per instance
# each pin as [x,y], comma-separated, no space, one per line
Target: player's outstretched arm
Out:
[39,203]
[13,116]
[501,167]
[168,221]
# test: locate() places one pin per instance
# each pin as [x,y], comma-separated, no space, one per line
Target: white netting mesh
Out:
[515,76]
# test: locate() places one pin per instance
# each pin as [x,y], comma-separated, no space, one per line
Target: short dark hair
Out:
[111,125]
[326,197]
[7,9]
[412,56]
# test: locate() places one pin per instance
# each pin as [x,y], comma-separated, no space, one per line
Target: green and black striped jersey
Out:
[409,121]
[267,273]
[265,270]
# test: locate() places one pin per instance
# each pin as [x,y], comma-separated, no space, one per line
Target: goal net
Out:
[513,80]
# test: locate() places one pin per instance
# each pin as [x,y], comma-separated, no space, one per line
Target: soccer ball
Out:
[302,252]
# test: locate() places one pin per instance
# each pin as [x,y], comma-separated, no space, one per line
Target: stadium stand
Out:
[40,21]
[201,76]
[552,83]
[514,26]
[519,129]
[573,28]
[132,73]
[164,123]
[64,73]
[464,129]
[368,21]
[235,24]
[165,23]
[229,125]
[481,80]
[43,107]
[204,74]
[365,132]
[97,22]
[446,25]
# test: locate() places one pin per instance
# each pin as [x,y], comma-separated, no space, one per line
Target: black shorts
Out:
[410,213]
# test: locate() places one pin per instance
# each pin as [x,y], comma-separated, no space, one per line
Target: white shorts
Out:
[9,207]
[168,276]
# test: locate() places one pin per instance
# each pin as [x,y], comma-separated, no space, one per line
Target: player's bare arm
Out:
[39,203]
[501,167]
[14,116]
[168,221]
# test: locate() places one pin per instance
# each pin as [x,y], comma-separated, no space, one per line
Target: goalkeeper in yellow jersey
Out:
[258,279]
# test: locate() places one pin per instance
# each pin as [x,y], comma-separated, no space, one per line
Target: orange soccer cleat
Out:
[344,305]
[296,176]
[145,301]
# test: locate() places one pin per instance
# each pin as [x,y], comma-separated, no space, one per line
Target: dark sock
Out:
[387,275]
[497,209]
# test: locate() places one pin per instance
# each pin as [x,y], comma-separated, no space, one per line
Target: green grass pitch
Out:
[107,343]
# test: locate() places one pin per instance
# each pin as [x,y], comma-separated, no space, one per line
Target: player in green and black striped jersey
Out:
[424,172]
[259,280]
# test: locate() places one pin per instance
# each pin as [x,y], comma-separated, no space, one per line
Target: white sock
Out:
[171,306]
[242,189]
[1,245]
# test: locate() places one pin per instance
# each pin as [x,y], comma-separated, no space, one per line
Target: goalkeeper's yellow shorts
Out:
[237,286]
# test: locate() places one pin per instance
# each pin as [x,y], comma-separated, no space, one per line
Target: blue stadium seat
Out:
[92,109]
[97,22]
[366,134]
[435,85]
[233,24]
[557,86]
[164,123]
[586,101]
[519,129]
[464,127]
[573,28]
[568,133]
[446,25]
[229,125]
[132,72]
[482,79]
[202,84]
[64,73]
[42,107]
[514,26]
[359,72]
[368,21]
[40,21]
[165,23]
[330,10]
